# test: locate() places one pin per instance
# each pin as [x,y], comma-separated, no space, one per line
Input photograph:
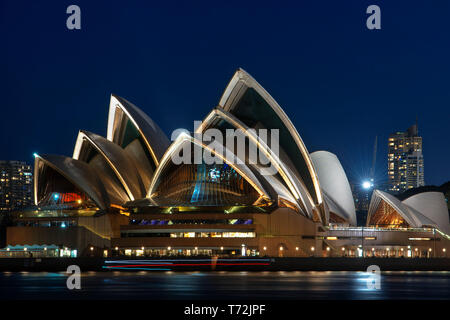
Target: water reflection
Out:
[226,285]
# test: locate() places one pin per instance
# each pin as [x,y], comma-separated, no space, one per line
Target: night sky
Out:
[340,83]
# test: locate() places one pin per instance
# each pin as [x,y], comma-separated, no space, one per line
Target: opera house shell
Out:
[422,210]
[125,192]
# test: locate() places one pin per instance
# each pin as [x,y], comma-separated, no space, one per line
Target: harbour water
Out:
[226,285]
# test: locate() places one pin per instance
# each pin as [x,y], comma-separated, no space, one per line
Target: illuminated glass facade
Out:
[204,184]
[405,160]
[60,192]
[16,185]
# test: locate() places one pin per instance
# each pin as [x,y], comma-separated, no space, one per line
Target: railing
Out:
[402,229]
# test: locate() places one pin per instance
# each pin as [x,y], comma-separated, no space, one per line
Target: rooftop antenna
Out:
[417,124]
[374,159]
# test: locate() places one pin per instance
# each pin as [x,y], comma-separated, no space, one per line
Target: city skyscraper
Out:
[405,160]
[16,185]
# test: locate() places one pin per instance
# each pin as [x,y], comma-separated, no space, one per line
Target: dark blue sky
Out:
[340,83]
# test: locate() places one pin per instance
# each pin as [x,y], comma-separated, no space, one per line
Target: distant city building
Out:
[361,196]
[405,160]
[16,185]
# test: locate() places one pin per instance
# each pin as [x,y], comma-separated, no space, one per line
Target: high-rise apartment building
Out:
[16,185]
[405,160]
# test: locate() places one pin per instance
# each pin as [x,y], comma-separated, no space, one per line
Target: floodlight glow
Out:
[35,154]
[366,185]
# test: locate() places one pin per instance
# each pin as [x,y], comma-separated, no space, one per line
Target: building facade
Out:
[16,185]
[405,160]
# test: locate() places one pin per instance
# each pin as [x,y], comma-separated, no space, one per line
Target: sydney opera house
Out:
[123,194]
